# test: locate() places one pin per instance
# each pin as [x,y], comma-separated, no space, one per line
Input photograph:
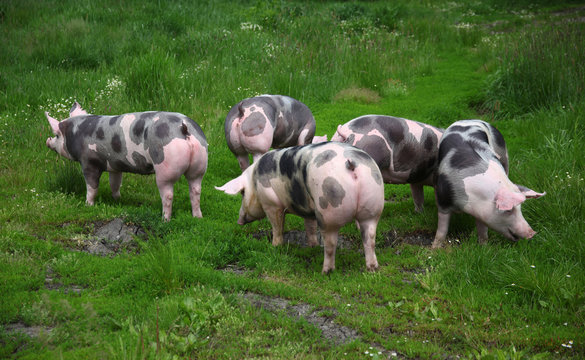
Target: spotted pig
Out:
[328,184]
[256,124]
[405,150]
[167,144]
[472,177]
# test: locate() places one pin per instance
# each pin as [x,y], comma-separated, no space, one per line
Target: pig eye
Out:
[242,192]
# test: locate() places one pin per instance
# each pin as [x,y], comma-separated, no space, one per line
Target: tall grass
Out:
[542,67]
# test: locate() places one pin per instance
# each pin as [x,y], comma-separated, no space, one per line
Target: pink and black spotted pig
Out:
[472,177]
[405,150]
[256,124]
[328,184]
[164,143]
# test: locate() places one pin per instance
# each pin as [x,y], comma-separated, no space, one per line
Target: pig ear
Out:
[506,199]
[529,193]
[54,123]
[76,110]
[232,187]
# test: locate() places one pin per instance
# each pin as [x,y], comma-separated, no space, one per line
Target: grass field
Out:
[211,289]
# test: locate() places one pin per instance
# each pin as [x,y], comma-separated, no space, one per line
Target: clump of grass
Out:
[66,177]
[360,95]
[543,68]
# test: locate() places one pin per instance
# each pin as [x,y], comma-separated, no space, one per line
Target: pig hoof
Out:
[327,271]
[372,268]
[437,244]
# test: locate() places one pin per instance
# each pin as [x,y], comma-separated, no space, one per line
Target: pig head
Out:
[472,177]
[167,144]
[405,150]
[256,124]
[328,184]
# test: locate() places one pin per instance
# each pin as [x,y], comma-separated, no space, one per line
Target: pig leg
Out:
[115,183]
[276,218]
[165,188]
[311,229]
[92,182]
[417,196]
[442,229]
[195,196]
[482,231]
[244,161]
[368,231]
[256,156]
[330,245]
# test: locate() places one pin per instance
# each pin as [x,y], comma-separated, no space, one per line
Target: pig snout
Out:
[523,232]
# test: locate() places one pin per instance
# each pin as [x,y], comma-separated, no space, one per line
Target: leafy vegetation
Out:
[181,289]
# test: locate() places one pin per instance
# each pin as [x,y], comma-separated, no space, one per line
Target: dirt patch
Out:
[30,331]
[420,238]
[338,334]
[110,237]
[52,283]
[330,330]
[299,238]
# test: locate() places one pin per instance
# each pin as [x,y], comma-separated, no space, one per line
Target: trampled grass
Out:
[184,288]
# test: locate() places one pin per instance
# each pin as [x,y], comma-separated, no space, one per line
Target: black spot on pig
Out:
[99,134]
[444,192]
[300,204]
[324,157]
[113,120]
[479,135]
[360,124]
[498,137]
[394,131]
[465,157]
[429,143]
[116,143]
[162,130]
[142,165]
[138,129]
[174,119]
[404,158]
[156,154]
[87,127]
[287,162]
[254,124]
[333,193]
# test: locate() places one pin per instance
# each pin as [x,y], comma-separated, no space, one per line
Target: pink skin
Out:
[363,202]
[495,202]
[176,164]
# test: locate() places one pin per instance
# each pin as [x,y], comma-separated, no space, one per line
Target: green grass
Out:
[170,296]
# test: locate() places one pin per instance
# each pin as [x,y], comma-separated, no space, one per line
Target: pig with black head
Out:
[472,177]
[167,144]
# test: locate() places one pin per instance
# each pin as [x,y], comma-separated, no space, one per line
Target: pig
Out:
[405,150]
[472,177]
[256,124]
[328,184]
[165,143]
